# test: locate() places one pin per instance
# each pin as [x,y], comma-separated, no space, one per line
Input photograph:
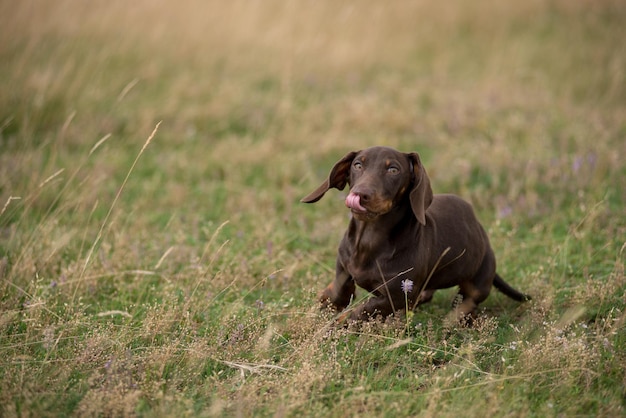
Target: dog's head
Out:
[379,178]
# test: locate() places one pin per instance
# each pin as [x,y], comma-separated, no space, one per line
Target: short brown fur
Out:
[407,233]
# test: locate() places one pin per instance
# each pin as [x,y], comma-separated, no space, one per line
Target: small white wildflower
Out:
[407,286]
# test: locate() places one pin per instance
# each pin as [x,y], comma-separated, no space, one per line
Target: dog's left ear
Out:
[338,178]
[422,194]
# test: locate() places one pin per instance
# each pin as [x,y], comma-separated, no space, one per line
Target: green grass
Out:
[178,276]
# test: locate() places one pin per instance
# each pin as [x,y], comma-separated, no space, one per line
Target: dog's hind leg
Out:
[426,296]
[476,290]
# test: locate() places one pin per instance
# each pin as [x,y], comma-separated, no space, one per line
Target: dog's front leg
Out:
[377,305]
[340,291]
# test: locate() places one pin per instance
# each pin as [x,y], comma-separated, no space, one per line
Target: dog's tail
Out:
[505,288]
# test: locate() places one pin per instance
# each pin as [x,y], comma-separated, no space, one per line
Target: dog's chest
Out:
[366,276]
[373,268]
[373,255]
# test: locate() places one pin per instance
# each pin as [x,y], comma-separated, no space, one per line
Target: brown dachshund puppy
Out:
[402,242]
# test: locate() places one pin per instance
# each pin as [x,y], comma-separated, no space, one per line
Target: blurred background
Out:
[479,88]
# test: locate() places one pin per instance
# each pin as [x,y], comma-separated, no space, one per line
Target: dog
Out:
[403,243]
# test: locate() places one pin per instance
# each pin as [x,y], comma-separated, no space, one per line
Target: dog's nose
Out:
[364,194]
[365,197]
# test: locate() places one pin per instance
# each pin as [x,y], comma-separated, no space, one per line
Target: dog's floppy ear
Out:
[422,194]
[338,178]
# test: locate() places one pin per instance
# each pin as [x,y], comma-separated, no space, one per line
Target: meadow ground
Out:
[155,259]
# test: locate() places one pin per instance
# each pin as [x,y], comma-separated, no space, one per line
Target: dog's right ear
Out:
[338,178]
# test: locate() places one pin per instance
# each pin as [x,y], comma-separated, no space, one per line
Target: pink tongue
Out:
[353,201]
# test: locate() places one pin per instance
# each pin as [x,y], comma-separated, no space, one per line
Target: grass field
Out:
[155,259]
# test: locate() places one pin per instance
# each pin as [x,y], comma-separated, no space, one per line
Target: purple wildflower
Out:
[577,164]
[407,286]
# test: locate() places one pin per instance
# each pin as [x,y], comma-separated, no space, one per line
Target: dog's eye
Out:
[393,170]
[357,165]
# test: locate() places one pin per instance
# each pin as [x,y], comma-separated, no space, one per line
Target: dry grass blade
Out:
[6,204]
[253,368]
[108,215]
[114,313]
[432,271]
